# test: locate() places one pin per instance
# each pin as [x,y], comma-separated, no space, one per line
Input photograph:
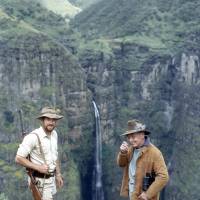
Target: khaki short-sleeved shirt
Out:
[30,146]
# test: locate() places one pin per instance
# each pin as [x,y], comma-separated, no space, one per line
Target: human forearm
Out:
[122,159]
[161,178]
[25,162]
[28,164]
[58,170]
[59,178]
[157,186]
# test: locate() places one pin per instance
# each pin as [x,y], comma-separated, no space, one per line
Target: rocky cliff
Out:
[151,66]
[163,92]
[37,70]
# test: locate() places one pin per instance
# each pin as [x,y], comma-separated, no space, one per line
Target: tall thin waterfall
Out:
[97,174]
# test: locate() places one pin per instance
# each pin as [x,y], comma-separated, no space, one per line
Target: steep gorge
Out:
[163,92]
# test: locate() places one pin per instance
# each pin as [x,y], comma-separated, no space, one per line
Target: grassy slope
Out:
[23,17]
[163,24]
[32,16]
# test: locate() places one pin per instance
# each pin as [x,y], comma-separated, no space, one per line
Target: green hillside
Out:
[19,17]
[33,17]
[165,23]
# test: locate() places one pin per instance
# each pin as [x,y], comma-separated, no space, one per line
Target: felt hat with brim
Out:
[135,126]
[50,113]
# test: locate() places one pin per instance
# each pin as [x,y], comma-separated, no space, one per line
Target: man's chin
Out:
[50,129]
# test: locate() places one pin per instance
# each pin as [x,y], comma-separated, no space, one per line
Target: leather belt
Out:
[41,175]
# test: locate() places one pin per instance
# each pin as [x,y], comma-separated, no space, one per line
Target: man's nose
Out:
[132,139]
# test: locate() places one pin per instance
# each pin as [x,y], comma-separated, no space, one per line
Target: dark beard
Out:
[47,130]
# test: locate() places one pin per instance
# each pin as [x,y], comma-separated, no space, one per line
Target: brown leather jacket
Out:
[150,159]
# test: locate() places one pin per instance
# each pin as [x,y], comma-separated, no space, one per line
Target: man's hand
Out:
[143,196]
[28,164]
[124,147]
[59,181]
[43,168]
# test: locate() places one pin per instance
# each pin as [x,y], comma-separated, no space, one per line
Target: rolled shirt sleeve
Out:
[27,145]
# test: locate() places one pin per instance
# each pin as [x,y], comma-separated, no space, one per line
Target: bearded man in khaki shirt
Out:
[46,169]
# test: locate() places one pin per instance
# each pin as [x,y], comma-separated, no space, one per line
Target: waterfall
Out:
[169,115]
[97,174]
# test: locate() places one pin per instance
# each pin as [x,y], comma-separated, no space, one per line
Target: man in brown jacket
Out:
[145,172]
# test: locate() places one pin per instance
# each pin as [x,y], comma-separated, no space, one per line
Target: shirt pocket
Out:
[46,147]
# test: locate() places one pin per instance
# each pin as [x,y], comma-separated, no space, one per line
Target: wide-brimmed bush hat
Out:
[135,126]
[50,113]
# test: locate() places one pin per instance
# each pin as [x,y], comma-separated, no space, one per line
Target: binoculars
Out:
[148,179]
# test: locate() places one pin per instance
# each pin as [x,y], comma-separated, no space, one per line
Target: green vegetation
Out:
[23,19]
[3,196]
[99,45]
[35,66]
[124,54]
[157,24]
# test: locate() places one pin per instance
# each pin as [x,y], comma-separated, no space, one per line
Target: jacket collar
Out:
[146,142]
[145,146]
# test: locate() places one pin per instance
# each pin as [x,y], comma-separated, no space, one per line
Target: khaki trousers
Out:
[47,187]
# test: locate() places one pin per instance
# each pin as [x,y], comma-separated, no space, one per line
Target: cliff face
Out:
[35,66]
[35,71]
[149,56]
[163,92]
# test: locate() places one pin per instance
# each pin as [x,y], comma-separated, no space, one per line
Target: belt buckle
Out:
[50,174]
